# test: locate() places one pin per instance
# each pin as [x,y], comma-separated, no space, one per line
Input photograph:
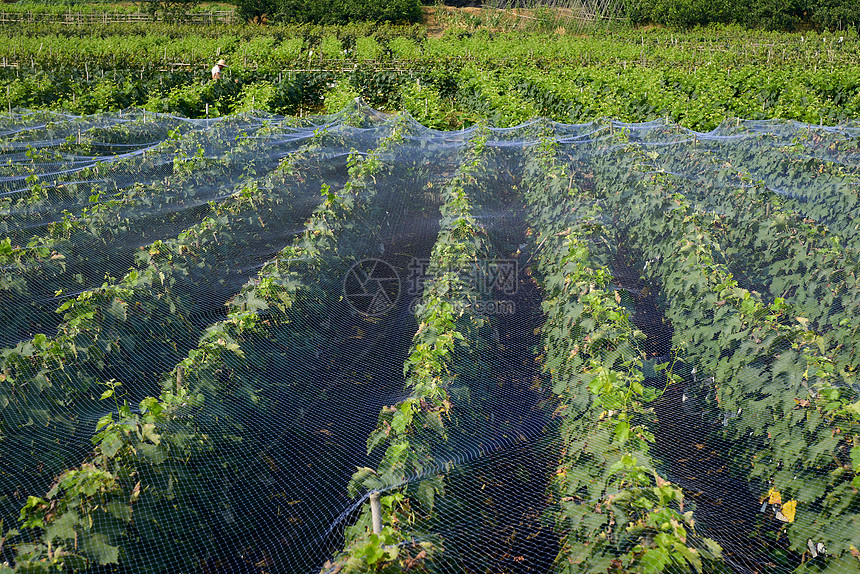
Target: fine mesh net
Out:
[349,343]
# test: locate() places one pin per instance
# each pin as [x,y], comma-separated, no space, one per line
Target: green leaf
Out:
[622,431]
[690,555]
[63,528]
[151,405]
[395,450]
[376,438]
[155,454]
[111,444]
[426,494]
[402,419]
[654,561]
[120,510]
[104,421]
[147,431]
[855,458]
[97,546]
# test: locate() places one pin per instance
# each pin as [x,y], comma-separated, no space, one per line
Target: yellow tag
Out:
[789,509]
[774,497]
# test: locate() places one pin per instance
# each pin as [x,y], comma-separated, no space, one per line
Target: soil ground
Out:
[691,449]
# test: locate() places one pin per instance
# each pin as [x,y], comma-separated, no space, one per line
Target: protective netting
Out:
[552,348]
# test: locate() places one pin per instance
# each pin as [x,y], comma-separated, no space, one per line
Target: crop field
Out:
[622,345]
[695,79]
[380,302]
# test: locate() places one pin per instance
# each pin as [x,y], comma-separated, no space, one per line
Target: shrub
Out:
[405,48]
[332,11]
[766,14]
[689,13]
[169,10]
[367,49]
[836,14]
[775,14]
[339,96]
[331,47]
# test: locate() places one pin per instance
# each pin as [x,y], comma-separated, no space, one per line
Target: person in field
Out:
[216,69]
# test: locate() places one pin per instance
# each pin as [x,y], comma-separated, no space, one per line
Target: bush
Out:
[331,47]
[638,10]
[332,11]
[775,14]
[684,13]
[339,96]
[767,14]
[836,14]
[169,10]
[367,49]
[405,48]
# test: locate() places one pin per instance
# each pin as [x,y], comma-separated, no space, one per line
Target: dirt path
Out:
[497,524]
[690,446]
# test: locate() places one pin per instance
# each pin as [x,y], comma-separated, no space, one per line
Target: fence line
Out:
[336,66]
[212,17]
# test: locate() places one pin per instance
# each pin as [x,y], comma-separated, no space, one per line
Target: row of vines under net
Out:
[350,343]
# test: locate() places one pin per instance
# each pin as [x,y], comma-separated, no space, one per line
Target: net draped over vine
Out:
[551,348]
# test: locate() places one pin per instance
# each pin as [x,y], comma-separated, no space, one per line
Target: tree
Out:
[169,10]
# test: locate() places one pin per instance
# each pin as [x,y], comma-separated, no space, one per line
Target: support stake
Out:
[376,512]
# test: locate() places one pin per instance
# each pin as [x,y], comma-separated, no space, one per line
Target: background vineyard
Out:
[696,79]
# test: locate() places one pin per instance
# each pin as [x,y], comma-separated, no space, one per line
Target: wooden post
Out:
[376,512]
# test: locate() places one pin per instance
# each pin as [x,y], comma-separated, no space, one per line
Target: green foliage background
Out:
[331,11]
[786,15]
